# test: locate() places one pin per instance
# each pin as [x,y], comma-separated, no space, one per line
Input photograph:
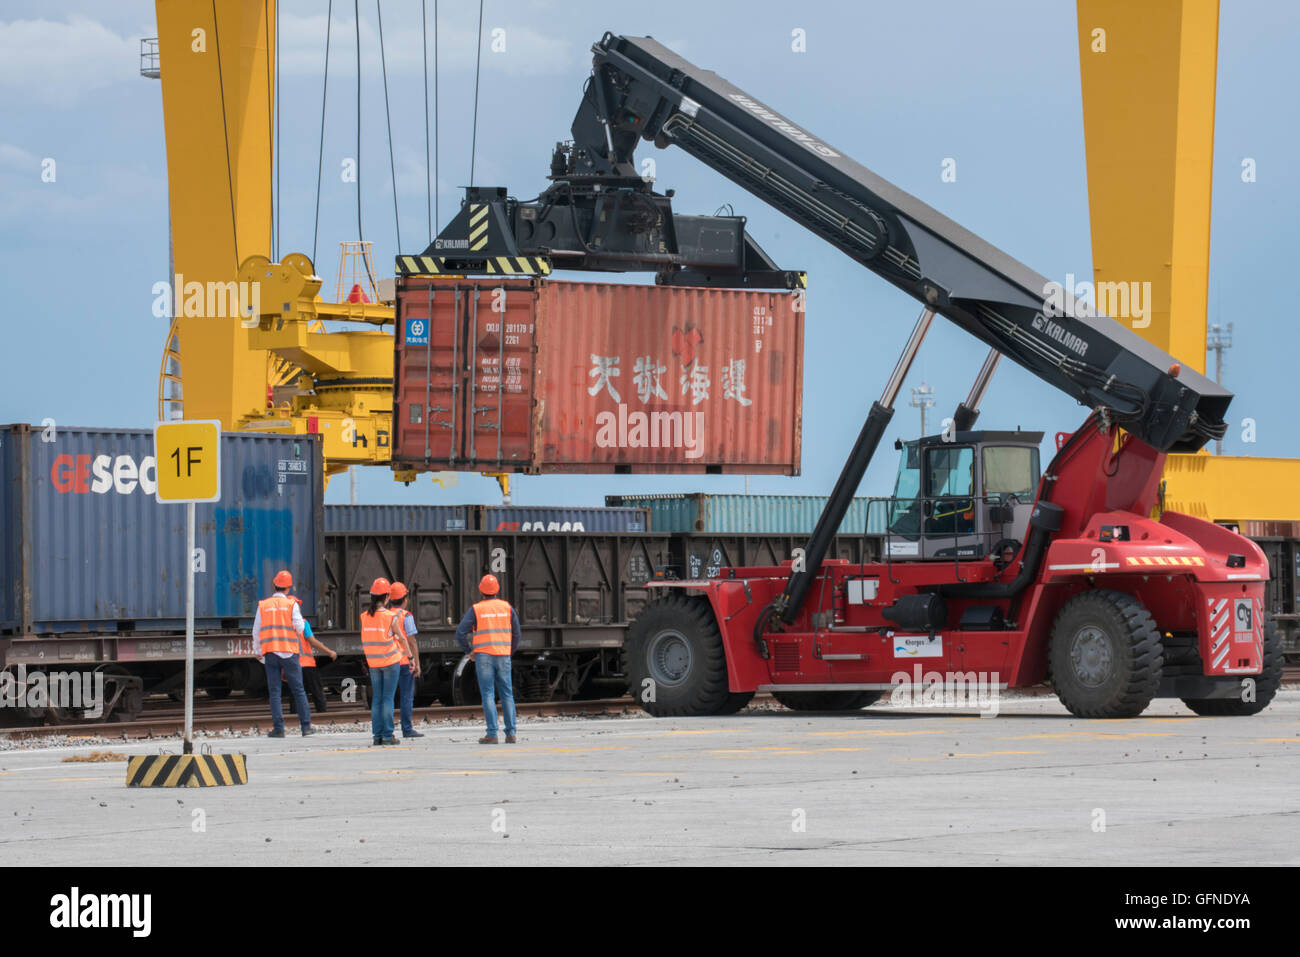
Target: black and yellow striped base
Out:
[186,770]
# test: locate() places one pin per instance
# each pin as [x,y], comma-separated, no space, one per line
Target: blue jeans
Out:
[406,696]
[383,685]
[291,671]
[494,679]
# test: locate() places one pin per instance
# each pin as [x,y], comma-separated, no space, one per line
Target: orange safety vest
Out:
[276,631]
[399,621]
[305,657]
[492,629]
[377,641]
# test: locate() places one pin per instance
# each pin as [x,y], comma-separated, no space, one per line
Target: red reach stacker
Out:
[991,570]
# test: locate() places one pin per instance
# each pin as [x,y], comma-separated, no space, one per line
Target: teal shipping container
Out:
[750,514]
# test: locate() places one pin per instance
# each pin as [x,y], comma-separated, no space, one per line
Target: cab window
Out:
[951,478]
[1010,470]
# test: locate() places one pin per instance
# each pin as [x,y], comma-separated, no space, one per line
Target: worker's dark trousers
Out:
[406,697]
[286,669]
[312,686]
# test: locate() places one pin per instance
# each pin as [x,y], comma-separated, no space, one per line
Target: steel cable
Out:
[392,166]
[428,170]
[225,132]
[478,64]
[320,156]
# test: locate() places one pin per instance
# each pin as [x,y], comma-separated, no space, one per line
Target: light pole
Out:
[922,398]
[1220,339]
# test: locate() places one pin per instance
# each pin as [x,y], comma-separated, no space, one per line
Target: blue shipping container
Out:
[750,514]
[378,519]
[524,518]
[86,547]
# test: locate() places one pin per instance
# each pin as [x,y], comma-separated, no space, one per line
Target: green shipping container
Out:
[752,514]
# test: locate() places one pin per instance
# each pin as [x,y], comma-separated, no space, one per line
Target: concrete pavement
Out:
[1032,786]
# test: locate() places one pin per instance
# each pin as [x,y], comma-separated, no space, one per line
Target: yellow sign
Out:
[188,461]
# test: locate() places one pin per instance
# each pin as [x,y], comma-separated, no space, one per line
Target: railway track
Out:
[255,717]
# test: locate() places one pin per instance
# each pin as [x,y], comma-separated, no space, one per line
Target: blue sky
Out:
[897,86]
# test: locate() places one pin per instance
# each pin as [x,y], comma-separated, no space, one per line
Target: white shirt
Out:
[257,628]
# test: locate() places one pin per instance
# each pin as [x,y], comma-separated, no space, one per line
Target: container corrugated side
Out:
[752,514]
[376,519]
[546,376]
[528,518]
[102,554]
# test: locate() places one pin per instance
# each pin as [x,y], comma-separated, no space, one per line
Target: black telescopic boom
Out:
[846,486]
[648,90]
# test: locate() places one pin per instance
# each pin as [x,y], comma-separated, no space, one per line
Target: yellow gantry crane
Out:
[273,367]
[1149,80]
[217,66]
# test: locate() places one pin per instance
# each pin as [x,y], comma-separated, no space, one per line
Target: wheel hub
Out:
[669,657]
[1091,657]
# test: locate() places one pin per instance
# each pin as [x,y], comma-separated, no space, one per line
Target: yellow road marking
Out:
[873,731]
[1089,736]
[780,749]
[970,754]
[702,731]
[400,771]
[645,774]
[467,772]
[1277,740]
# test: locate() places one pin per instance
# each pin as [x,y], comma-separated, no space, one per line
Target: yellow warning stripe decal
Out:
[494,266]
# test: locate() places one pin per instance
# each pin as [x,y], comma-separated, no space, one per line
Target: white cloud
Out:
[18,159]
[54,64]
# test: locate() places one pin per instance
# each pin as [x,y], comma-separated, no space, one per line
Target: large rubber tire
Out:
[1105,657]
[676,644]
[827,700]
[1266,683]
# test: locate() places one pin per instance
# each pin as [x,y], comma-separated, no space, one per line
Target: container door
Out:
[499,388]
[429,351]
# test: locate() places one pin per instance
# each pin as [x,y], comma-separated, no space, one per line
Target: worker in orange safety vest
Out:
[383,650]
[409,668]
[277,635]
[489,632]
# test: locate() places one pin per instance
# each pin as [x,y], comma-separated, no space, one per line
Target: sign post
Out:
[188,457]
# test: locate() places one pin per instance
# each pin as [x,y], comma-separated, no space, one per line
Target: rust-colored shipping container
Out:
[596,377]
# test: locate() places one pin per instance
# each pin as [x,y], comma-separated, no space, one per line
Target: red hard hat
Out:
[283,579]
[489,585]
[397,592]
[380,587]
